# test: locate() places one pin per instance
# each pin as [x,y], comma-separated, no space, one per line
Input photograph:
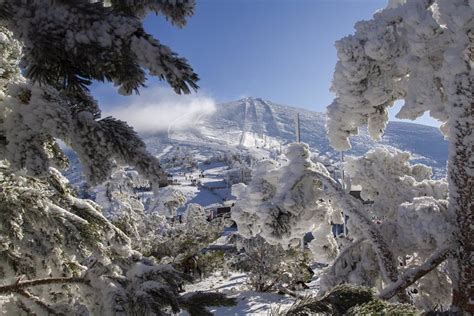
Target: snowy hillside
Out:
[257,128]
[253,124]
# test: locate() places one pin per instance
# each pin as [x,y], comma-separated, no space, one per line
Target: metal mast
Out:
[298,130]
[343,185]
[298,140]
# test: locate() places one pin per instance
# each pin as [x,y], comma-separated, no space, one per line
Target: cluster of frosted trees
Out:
[151,220]
[412,234]
[401,222]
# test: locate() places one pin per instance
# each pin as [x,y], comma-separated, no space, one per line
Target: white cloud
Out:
[158,109]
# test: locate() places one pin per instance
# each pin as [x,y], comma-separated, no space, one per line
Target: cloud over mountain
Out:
[157,109]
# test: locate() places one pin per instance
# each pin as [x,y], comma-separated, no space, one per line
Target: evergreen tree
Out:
[419,51]
[64,46]
[400,228]
[59,255]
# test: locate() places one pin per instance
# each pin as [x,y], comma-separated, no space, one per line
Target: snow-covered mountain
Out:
[258,128]
[257,125]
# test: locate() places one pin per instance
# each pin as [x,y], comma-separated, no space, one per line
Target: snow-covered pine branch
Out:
[21,285]
[48,234]
[63,46]
[70,43]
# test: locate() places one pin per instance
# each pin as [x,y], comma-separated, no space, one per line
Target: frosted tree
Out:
[419,51]
[174,242]
[59,254]
[166,202]
[411,218]
[120,202]
[282,204]
[151,221]
[270,267]
[63,47]
[400,230]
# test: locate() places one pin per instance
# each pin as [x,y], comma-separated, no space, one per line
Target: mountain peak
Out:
[256,123]
[253,100]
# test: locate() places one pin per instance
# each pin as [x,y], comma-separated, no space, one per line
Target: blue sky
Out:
[280,50]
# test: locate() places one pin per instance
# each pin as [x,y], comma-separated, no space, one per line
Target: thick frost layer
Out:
[411,214]
[405,52]
[419,51]
[284,203]
[63,47]
[408,203]
[400,220]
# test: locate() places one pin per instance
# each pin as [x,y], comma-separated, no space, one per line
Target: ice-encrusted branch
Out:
[37,301]
[21,285]
[415,273]
[345,251]
[354,209]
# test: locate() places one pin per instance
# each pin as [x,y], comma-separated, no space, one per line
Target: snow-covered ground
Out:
[212,189]
[248,302]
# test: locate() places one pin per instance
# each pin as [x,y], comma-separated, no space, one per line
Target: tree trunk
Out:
[461,191]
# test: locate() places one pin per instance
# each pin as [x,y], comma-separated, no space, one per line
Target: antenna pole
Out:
[343,185]
[298,130]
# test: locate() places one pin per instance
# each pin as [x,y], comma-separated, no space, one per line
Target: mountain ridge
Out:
[259,128]
[255,122]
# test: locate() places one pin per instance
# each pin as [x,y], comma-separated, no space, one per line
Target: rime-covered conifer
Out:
[63,47]
[59,254]
[400,230]
[419,51]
